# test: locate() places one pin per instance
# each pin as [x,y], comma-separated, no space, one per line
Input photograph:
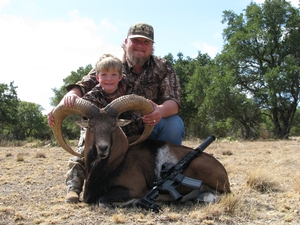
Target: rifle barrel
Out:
[205,144]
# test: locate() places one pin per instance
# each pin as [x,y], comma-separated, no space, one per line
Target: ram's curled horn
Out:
[81,107]
[132,102]
[89,110]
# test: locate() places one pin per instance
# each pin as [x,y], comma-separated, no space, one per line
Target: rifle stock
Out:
[148,201]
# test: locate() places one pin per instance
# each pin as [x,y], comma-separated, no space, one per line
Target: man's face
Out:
[138,50]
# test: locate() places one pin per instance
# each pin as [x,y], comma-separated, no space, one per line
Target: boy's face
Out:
[109,80]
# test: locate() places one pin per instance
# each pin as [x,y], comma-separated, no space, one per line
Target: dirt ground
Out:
[264,177]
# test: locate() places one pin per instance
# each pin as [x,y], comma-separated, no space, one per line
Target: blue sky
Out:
[42,41]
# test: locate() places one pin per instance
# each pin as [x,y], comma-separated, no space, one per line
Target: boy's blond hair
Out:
[107,62]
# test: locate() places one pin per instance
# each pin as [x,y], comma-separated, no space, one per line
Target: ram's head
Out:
[103,123]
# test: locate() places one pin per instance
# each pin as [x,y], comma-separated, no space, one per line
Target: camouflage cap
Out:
[142,30]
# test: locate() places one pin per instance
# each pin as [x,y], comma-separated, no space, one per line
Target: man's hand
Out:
[168,108]
[153,118]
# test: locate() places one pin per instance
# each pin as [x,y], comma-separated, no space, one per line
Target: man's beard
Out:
[137,61]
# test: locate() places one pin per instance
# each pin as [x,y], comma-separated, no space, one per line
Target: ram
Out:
[119,171]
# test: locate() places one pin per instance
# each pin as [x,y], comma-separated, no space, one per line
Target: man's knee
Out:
[174,125]
[170,129]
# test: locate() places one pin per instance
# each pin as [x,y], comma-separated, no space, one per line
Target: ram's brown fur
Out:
[132,176]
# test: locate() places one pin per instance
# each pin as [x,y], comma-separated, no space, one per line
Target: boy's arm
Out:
[68,100]
[71,96]
[76,90]
[86,84]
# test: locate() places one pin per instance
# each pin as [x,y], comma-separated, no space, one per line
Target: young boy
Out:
[111,86]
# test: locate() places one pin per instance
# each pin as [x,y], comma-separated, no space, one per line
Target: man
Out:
[146,75]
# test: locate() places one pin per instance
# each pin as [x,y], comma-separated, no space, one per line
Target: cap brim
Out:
[139,36]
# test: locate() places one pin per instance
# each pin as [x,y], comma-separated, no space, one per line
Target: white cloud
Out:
[205,48]
[3,3]
[105,23]
[294,2]
[37,55]
[210,50]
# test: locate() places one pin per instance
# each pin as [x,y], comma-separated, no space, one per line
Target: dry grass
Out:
[264,176]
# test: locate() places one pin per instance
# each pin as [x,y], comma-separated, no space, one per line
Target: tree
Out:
[195,95]
[30,122]
[8,103]
[296,124]
[8,107]
[184,68]
[265,58]
[220,107]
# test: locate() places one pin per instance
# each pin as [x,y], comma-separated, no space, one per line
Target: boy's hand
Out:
[50,119]
[69,99]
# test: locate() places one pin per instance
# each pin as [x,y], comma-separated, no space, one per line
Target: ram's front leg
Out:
[119,196]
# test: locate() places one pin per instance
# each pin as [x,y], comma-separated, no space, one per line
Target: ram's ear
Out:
[82,123]
[123,122]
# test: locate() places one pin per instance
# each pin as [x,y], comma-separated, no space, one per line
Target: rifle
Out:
[172,177]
